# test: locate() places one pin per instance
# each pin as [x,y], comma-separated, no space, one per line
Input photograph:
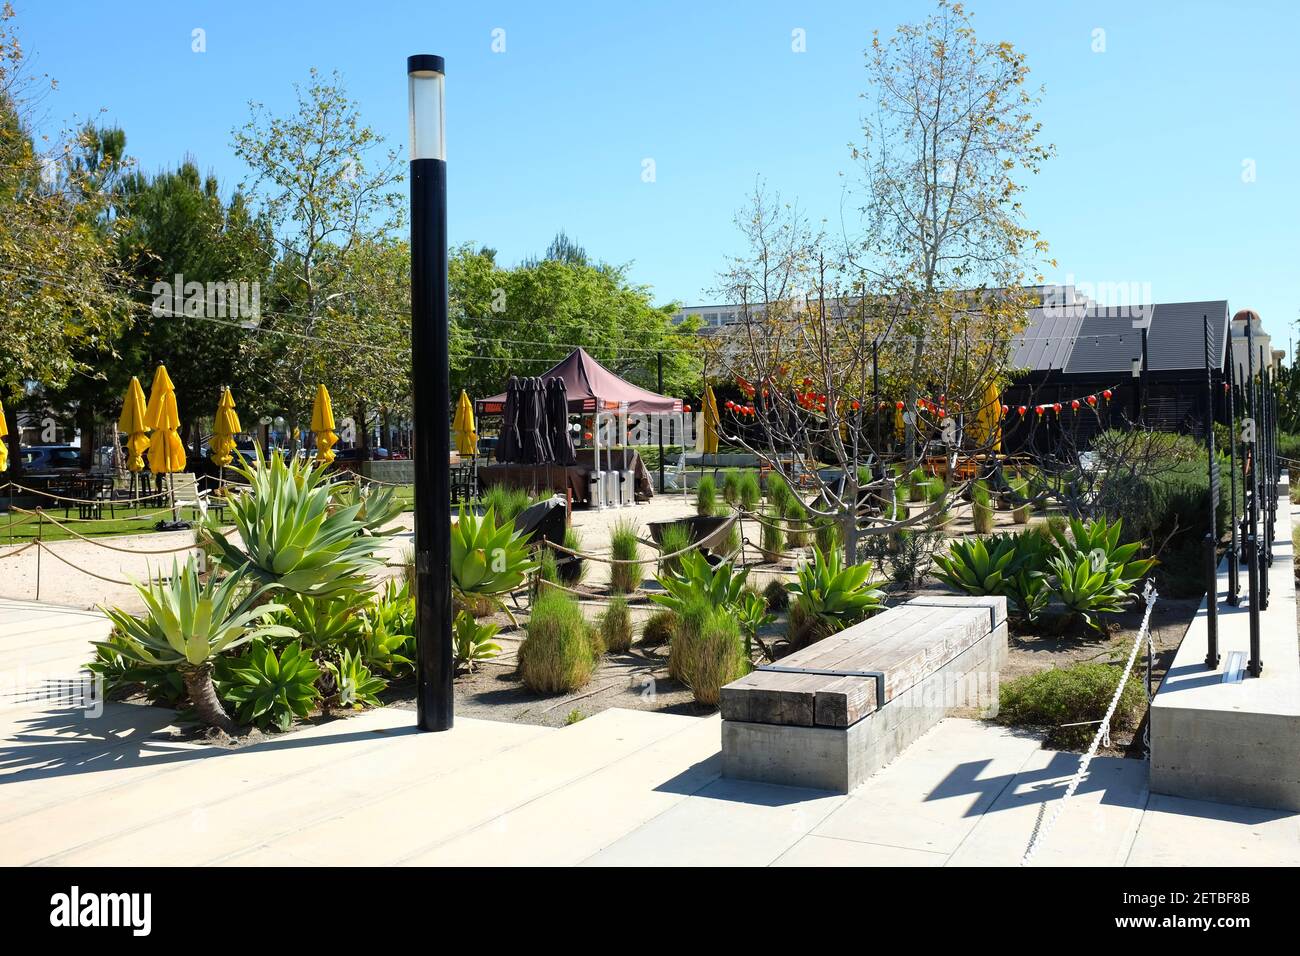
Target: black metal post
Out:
[431,401]
[875,401]
[1234,581]
[1255,665]
[1142,379]
[660,420]
[1211,536]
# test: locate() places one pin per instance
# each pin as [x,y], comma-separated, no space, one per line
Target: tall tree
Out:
[60,289]
[326,187]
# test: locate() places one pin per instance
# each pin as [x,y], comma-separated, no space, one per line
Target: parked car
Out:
[354,454]
[51,458]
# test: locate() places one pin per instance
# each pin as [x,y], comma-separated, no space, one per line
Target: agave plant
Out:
[388,628]
[1087,592]
[472,642]
[289,533]
[187,624]
[835,595]
[354,683]
[325,623]
[1099,543]
[270,689]
[488,560]
[977,566]
[379,506]
[720,585]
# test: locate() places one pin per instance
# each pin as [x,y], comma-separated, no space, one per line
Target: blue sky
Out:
[1152,133]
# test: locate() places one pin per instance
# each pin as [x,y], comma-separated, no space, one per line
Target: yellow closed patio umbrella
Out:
[900,424]
[131,423]
[987,428]
[463,426]
[163,418]
[4,432]
[711,422]
[322,423]
[224,429]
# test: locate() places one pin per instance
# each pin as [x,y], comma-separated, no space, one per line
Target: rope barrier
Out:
[158,495]
[1103,732]
[99,544]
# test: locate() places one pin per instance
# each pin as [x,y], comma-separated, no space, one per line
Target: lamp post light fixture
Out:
[430,393]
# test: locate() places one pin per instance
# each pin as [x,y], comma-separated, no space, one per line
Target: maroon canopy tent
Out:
[591,387]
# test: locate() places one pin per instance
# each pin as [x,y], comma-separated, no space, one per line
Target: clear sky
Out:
[1156,135]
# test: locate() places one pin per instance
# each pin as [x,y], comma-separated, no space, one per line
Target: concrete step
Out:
[433,811]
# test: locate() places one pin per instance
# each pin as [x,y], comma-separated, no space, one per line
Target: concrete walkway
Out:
[623,787]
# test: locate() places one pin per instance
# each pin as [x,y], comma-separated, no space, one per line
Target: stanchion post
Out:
[1211,536]
[1234,579]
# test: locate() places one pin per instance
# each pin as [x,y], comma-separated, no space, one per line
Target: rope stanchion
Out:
[17,551]
[1103,732]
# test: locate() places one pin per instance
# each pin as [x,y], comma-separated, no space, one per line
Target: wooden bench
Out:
[830,715]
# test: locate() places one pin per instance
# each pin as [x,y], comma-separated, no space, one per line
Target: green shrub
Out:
[778,492]
[688,626]
[556,655]
[796,525]
[981,508]
[1069,695]
[624,546]
[828,536]
[706,496]
[674,538]
[771,540]
[547,568]
[731,543]
[731,487]
[616,626]
[659,628]
[935,489]
[1019,488]
[506,503]
[748,492]
[918,485]
[572,570]
[776,596]
[712,657]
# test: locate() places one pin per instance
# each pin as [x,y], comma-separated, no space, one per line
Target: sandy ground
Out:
[72,572]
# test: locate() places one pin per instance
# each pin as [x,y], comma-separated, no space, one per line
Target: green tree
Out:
[326,188]
[61,294]
[518,321]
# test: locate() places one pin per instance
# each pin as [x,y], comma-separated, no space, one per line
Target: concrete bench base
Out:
[839,759]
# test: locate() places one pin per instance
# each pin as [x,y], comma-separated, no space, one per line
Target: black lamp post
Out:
[431,393]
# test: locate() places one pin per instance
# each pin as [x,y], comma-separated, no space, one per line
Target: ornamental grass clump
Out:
[706,496]
[616,626]
[771,540]
[556,656]
[659,628]
[731,487]
[1079,694]
[749,492]
[981,508]
[713,657]
[1020,507]
[674,539]
[624,547]
[796,525]
[778,492]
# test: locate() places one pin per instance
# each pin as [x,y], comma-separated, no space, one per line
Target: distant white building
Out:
[1266,357]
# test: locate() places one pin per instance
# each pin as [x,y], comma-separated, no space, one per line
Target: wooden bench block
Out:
[826,728]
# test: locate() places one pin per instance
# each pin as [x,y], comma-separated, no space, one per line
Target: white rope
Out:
[1103,732]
